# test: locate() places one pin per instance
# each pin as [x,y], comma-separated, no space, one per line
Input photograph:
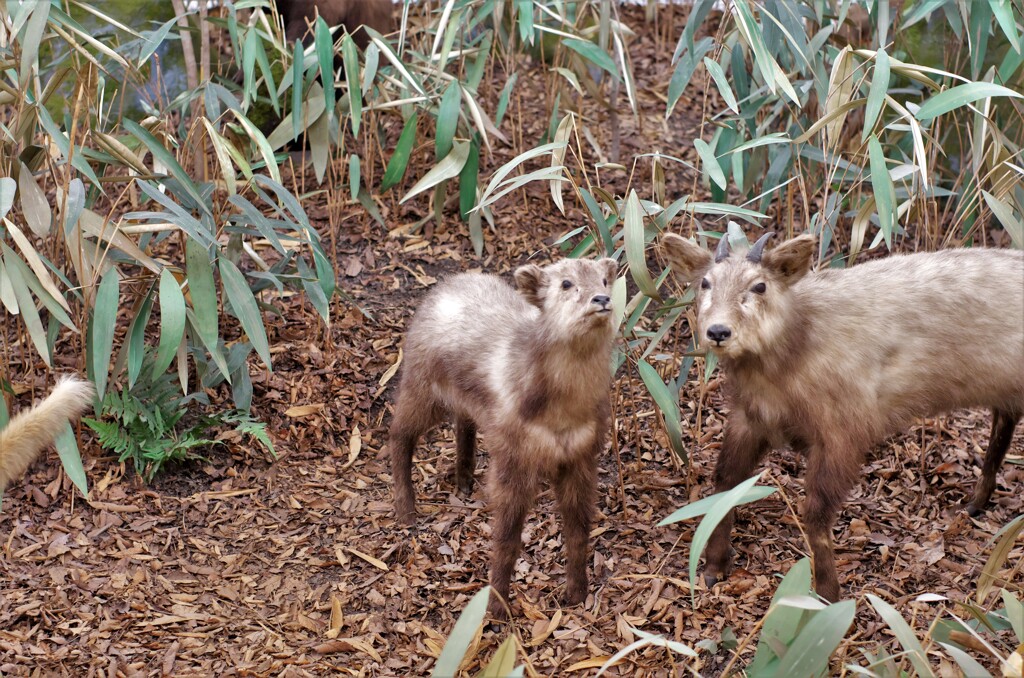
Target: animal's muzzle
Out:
[602,300]
[719,333]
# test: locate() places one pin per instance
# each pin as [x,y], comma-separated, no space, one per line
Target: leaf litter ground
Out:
[240,566]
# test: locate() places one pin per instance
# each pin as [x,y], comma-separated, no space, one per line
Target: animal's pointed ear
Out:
[611,269]
[792,259]
[530,283]
[688,260]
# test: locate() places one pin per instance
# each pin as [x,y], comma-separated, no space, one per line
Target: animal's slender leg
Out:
[576,490]
[413,417]
[832,471]
[1003,423]
[465,454]
[512,490]
[743,448]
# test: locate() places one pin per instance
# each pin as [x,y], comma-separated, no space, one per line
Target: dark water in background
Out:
[164,71]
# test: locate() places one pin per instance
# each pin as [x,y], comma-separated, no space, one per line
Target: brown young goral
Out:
[833,361]
[529,369]
[352,14]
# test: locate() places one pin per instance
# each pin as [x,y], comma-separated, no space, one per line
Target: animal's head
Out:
[574,295]
[742,299]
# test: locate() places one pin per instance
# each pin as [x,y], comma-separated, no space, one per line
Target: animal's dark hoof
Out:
[466,488]
[710,579]
[574,597]
[407,519]
[973,510]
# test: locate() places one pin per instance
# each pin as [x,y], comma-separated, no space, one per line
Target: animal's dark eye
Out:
[566,284]
[705,284]
[759,288]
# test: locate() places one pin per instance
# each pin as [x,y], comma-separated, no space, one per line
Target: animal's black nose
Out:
[601,300]
[719,333]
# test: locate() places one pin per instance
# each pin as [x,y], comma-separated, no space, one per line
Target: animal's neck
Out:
[579,365]
[778,353]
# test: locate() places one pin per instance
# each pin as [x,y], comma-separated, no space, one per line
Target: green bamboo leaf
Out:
[400,158]
[462,635]
[172,321]
[667,404]
[167,160]
[911,645]
[877,92]
[506,93]
[26,305]
[684,72]
[448,168]
[354,175]
[593,54]
[711,165]
[810,652]
[1014,613]
[718,75]
[967,663]
[1003,212]
[103,321]
[753,35]
[702,506]
[136,339]
[719,505]
[1005,17]
[32,40]
[298,85]
[447,119]
[885,192]
[203,292]
[71,458]
[244,305]
[962,95]
[350,57]
[782,622]
[324,44]
[635,243]
[469,179]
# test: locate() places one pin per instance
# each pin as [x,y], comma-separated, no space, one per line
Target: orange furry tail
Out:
[29,432]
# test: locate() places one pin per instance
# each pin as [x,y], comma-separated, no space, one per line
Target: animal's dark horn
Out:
[757,250]
[723,248]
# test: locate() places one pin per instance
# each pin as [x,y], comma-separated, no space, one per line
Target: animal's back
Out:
[924,333]
[461,341]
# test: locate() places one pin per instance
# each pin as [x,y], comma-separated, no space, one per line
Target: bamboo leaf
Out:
[447,119]
[635,245]
[71,458]
[400,158]
[711,166]
[244,306]
[448,168]
[667,404]
[877,92]
[104,321]
[462,635]
[961,95]
[914,651]
[350,57]
[172,321]
[810,652]
[168,160]
[34,204]
[885,193]
[27,307]
[718,75]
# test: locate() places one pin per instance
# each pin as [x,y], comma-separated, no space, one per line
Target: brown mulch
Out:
[242,566]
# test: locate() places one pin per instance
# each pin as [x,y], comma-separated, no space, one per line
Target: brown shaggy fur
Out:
[834,361]
[352,14]
[531,371]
